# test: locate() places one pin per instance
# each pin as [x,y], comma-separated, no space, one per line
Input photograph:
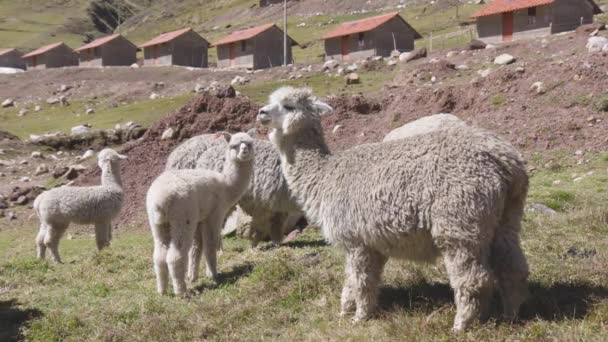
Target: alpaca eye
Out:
[289,108]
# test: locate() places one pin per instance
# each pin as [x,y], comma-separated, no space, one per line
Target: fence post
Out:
[431,42]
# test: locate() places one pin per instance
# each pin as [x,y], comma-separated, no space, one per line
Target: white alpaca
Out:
[187,205]
[457,194]
[97,205]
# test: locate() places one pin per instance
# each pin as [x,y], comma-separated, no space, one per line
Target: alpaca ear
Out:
[252,132]
[321,107]
[225,135]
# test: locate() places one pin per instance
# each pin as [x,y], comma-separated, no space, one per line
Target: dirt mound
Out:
[204,114]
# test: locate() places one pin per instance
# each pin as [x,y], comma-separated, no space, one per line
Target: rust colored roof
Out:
[98,42]
[502,6]
[5,51]
[365,25]
[166,37]
[249,33]
[44,49]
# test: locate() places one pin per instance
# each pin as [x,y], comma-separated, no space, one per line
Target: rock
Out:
[590,28]
[395,54]
[540,208]
[520,69]
[451,54]
[596,44]
[391,62]
[504,59]
[25,179]
[403,57]
[11,215]
[8,103]
[484,72]
[87,154]
[336,128]
[63,88]
[462,67]
[238,80]
[41,169]
[37,155]
[60,171]
[199,88]
[237,221]
[24,162]
[3,204]
[90,111]
[134,66]
[154,96]
[37,109]
[413,55]
[23,111]
[80,129]
[330,64]
[22,200]
[226,91]
[477,44]
[307,69]
[352,68]
[353,78]
[52,100]
[340,71]
[579,153]
[169,133]
[538,87]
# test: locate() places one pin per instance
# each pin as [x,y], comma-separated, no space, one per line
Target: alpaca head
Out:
[240,147]
[291,110]
[109,156]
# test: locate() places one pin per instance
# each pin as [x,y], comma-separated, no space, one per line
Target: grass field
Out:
[292,293]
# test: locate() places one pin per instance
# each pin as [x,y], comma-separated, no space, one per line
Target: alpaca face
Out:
[290,108]
[108,156]
[240,147]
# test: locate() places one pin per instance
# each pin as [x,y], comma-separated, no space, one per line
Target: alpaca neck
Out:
[110,175]
[237,176]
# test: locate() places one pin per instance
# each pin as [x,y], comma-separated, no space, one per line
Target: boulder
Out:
[540,208]
[484,72]
[154,96]
[477,44]
[37,109]
[90,111]
[41,169]
[23,111]
[225,91]
[80,129]
[169,133]
[134,66]
[199,88]
[59,171]
[8,103]
[353,78]
[22,200]
[352,68]
[391,62]
[330,64]
[504,59]
[63,88]
[538,87]
[413,55]
[87,154]
[52,100]
[596,44]
[239,80]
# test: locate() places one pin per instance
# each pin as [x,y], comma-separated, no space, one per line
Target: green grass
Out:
[292,293]
[57,118]
[499,100]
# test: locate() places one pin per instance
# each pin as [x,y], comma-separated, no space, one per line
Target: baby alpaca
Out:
[456,194]
[97,205]
[186,205]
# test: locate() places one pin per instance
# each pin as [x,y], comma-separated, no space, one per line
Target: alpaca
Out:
[424,125]
[96,205]
[187,205]
[456,194]
[268,201]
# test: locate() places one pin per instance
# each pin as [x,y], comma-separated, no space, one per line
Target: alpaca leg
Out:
[160,266]
[471,278]
[257,228]
[51,240]
[347,300]
[211,235]
[40,246]
[109,229]
[101,234]
[196,252]
[367,266]
[177,256]
[511,268]
[277,227]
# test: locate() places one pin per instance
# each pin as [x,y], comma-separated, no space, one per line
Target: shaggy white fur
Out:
[425,125]
[97,205]
[187,205]
[457,194]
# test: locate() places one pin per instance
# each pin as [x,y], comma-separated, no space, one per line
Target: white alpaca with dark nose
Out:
[188,205]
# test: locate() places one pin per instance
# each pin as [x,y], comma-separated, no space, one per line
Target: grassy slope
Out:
[57,118]
[293,292]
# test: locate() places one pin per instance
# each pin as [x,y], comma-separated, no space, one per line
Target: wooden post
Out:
[431,42]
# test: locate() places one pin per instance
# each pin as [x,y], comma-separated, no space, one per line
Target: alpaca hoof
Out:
[344,313]
[359,317]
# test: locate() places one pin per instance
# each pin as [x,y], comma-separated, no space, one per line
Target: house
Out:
[506,20]
[11,58]
[112,50]
[51,56]
[182,47]
[266,3]
[375,36]
[254,48]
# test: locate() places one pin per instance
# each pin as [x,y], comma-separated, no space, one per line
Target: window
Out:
[531,15]
[243,45]
[361,39]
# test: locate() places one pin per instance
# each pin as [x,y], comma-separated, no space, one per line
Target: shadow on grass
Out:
[12,319]
[227,278]
[305,243]
[560,301]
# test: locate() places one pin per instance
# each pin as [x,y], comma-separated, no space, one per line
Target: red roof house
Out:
[112,50]
[182,47]
[51,56]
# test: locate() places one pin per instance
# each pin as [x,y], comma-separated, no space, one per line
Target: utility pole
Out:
[284,32]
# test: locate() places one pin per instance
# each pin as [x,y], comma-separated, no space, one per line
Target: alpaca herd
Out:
[435,188]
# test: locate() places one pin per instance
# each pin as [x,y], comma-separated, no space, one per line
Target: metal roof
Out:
[167,37]
[365,25]
[249,33]
[43,49]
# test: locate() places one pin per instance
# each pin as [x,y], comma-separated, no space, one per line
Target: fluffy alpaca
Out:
[97,205]
[268,200]
[187,205]
[425,125]
[457,194]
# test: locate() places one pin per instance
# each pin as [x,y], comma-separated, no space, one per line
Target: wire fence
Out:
[450,39]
